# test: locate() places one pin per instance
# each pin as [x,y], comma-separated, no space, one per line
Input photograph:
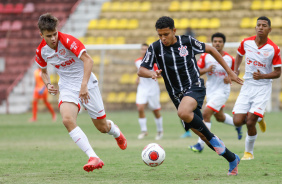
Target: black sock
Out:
[229,156]
[199,125]
[211,147]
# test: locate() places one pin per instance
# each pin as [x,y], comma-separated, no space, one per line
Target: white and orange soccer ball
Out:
[153,155]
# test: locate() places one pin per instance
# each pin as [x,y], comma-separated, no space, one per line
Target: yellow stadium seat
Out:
[151,39]
[277,4]
[111,98]
[96,59]
[145,6]
[267,5]
[245,22]
[113,23]
[202,38]
[204,23]
[133,78]
[102,24]
[110,40]
[214,23]
[185,6]
[125,6]
[194,23]
[120,40]
[122,23]
[276,22]
[82,39]
[215,5]
[133,24]
[121,97]
[90,40]
[93,24]
[253,22]
[125,78]
[116,6]
[183,23]
[174,6]
[256,5]
[196,6]
[164,97]
[135,6]
[131,98]
[100,40]
[206,6]
[280,96]
[226,5]
[106,6]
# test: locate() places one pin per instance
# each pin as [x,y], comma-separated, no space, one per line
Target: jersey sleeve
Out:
[72,44]
[201,62]
[233,63]
[241,49]
[39,60]
[276,62]
[149,58]
[197,46]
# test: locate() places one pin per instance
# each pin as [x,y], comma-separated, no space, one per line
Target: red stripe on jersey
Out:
[233,60]
[241,48]
[71,43]
[138,59]
[258,114]
[201,62]
[276,58]
[38,59]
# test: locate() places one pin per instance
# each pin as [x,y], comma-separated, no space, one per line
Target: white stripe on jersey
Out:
[200,84]
[153,53]
[186,66]
[162,53]
[175,67]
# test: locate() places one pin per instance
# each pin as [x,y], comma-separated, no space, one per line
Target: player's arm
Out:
[144,72]
[46,79]
[273,75]
[88,65]
[237,64]
[211,50]
[206,70]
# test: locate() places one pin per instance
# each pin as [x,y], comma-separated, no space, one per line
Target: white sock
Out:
[159,123]
[228,120]
[250,143]
[200,141]
[81,140]
[115,132]
[143,124]
[259,119]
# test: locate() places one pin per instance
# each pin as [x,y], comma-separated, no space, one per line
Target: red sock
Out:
[49,106]
[34,109]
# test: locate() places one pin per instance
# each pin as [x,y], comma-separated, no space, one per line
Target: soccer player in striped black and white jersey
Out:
[175,57]
[78,86]
[218,87]
[261,54]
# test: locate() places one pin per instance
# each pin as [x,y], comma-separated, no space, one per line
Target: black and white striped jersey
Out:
[177,61]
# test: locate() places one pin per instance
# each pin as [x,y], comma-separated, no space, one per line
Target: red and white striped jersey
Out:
[215,78]
[66,61]
[259,58]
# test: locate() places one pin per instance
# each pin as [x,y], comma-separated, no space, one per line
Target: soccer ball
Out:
[153,155]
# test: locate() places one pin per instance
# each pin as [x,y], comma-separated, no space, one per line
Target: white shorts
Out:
[217,99]
[151,97]
[94,107]
[253,99]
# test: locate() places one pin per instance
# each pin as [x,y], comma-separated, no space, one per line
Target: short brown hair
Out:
[47,22]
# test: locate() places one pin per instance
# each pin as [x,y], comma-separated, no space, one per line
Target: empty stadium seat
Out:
[215,5]
[131,98]
[16,25]
[145,6]
[226,5]
[29,8]
[18,8]
[164,97]
[277,4]
[6,25]
[256,5]
[267,5]
[174,6]
[206,6]
[185,6]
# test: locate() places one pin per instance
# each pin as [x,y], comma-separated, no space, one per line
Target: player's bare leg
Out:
[107,126]
[142,120]
[69,113]
[159,124]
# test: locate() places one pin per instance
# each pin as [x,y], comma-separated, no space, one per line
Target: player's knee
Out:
[184,115]
[104,127]
[220,118]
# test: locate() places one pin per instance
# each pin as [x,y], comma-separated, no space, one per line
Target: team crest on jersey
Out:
[266,54]
[183,51]
[62,52]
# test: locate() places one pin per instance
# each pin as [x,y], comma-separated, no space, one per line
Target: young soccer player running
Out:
[175,57]
[261,54]
[148,92]
[218,87]
[40,92]
[78,86]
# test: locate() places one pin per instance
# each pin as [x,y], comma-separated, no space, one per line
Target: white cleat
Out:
[159,136]
[142,135]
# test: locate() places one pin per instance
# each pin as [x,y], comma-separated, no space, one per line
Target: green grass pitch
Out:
[43,152]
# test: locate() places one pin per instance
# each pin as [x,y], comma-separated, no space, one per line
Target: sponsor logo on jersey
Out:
[66,63]
[56,55]
[255,63]
[62,52]
[183,52]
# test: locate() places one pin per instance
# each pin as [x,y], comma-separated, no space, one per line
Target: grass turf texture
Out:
[43,152]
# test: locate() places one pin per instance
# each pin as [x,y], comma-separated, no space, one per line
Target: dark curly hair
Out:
[265,18]
[220,35]
[164,22]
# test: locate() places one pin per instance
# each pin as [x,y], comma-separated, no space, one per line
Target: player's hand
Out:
[84,95]
[211,68]
[226,80]
[257,75]
[157,74]
[51,89]
[233,77]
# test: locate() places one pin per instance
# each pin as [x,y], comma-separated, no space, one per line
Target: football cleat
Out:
[218,145]
[239,131]
[121,141]
[233,166]
[186,134]
[247,156]
[93,163]
[159,136]
[197,148]
[142,135]
[262,125]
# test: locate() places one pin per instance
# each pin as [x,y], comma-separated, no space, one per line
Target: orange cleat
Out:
[93,163]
